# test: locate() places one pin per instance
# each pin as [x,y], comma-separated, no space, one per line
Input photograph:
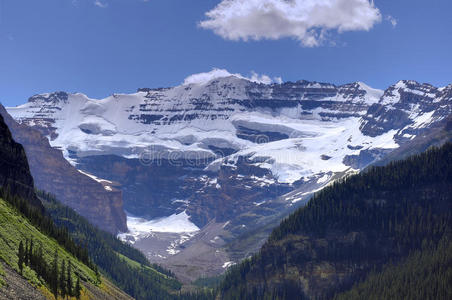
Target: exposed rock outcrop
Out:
[54,174]
[14,172]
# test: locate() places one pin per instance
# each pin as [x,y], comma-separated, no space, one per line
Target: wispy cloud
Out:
[308,21]
[391,20]
[101,4]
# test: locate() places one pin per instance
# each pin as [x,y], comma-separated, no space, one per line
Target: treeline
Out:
[59,280]
[46,225]
[355,226]
[147,281]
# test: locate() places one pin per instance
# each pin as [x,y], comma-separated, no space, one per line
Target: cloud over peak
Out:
[203,78]
[307,21]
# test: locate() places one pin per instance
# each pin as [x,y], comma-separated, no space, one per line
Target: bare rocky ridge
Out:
[400,101]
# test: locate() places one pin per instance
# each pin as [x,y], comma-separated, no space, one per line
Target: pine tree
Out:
[30,255]
[54,275]
[62,283]
[40,262]
[97,273]
[78,288]
[21,256]
[26,258]
[69,279]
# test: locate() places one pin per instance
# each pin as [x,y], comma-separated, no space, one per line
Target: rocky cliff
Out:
[14,171]
[54,174]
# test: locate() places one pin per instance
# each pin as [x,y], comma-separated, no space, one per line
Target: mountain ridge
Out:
[230,152]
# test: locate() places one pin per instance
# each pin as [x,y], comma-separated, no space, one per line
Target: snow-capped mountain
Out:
[229,150]
[52,173]
[188,117]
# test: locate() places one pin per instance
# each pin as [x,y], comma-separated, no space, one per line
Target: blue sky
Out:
[116,46]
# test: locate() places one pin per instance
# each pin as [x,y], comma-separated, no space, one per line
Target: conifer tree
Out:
[21,256]
[26,258]
[62,283]
[40,262]
[30,254]
[97,273]
[78,288]
[69,279]
[54,275]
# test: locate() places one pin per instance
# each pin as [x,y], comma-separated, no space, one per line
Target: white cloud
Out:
[260,78]
[100,4]
[278,79]
[203,78]
[308,21]
[392,20]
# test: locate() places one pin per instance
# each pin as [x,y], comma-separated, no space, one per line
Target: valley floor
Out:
[190,255]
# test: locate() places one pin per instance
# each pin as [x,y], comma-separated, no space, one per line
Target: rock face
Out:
[232,151]
[401,103]
[54,174]
[14,172]
[437,135]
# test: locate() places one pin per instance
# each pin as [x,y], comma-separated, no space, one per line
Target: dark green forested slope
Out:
[351,228]
[125,266]
[425,274]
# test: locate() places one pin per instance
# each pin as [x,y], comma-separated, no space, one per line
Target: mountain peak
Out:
[375,93]
[412,84]
[54,97]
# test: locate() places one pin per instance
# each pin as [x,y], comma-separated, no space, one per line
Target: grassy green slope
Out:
[15,228]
